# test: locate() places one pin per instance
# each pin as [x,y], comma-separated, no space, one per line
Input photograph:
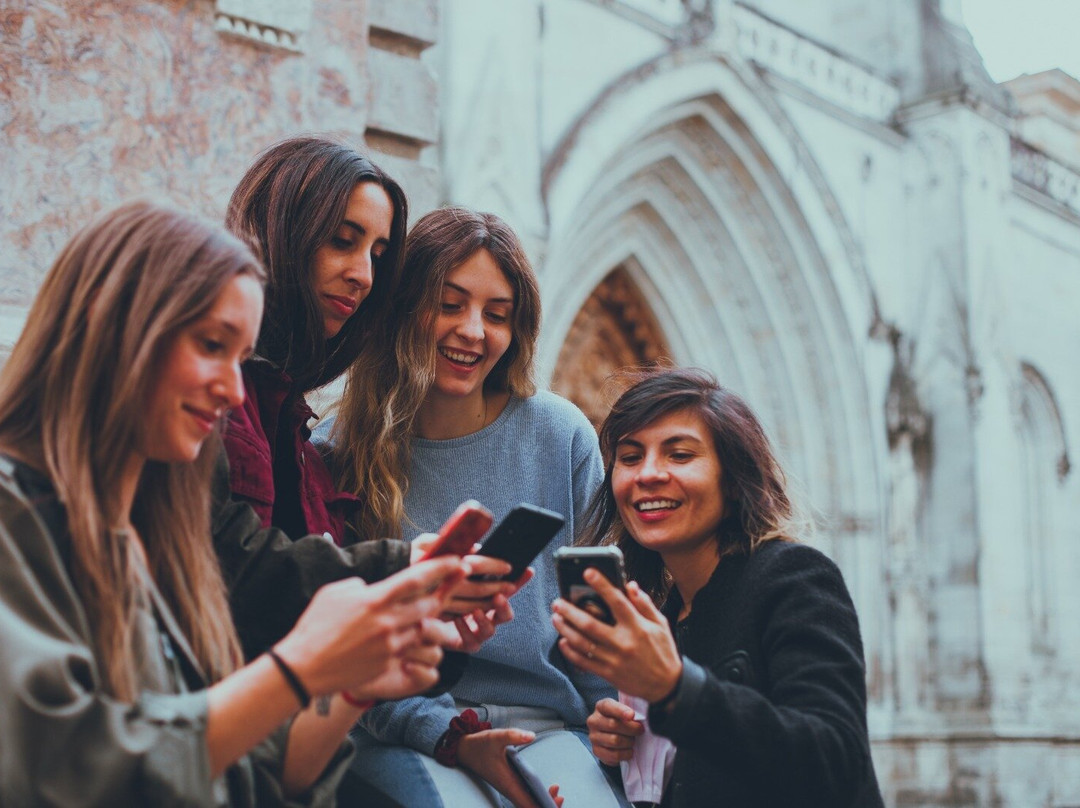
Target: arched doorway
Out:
[613,330]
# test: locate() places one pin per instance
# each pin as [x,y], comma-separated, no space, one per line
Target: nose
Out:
[652,470]
[360,271]
[471,325]
[229,386]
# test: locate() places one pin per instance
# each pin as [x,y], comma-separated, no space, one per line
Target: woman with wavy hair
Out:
[121,676]
[329,226]
[752,665]
[441,408]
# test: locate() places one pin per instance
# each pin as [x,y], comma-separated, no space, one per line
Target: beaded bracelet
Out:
[467,723]
[291,679]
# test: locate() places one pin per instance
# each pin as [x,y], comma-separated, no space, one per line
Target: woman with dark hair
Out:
[121,676]
[442,408]
[329,226]
[753,665]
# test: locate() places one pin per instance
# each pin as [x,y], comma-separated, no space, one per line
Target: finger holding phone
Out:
[613,728]
[637,654]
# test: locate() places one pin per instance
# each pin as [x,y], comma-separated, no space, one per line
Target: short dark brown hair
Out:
[756,505]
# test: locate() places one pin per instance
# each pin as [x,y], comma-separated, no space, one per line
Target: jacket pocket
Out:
[737,669]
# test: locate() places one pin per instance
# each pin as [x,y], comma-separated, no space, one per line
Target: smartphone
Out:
[570,566]
[529,778]
[461,531]
[520,537]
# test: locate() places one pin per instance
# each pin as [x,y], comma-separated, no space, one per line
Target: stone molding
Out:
[826,74]
[1038,172]
[275,23]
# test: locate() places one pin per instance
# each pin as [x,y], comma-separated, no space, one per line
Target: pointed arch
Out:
[613,330]
[692,171]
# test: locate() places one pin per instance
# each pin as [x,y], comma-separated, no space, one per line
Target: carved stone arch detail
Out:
[1040,421]
[613,330]
[1044,466]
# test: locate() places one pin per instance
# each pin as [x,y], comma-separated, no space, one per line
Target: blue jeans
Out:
[411,779]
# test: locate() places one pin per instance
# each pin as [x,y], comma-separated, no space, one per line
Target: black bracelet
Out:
[292,679]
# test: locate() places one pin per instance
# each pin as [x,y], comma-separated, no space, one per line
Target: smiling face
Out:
[199,373]
[343,269]
[472,328]
[666,483]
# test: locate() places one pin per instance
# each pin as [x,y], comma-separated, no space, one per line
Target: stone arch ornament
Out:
[615,329]
[688,177]
[1044,466]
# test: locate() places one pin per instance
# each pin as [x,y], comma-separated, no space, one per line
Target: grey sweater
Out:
[540,450]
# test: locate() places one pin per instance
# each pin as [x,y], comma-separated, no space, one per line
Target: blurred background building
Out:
[829,204]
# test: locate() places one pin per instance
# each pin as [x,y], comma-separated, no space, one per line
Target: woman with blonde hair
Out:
[121,676]
[442,408]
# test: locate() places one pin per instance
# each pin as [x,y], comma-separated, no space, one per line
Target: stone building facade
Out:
[830,205]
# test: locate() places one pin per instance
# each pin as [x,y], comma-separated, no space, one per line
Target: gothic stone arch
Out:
[691,181]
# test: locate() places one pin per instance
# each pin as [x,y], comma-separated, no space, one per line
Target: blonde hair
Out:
[387,384]
[71,400]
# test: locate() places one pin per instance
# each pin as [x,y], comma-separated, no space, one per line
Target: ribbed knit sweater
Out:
[541,450]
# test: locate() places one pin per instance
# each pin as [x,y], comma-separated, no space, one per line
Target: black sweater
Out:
[771,708]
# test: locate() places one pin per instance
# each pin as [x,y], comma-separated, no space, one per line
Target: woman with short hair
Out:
[752,665]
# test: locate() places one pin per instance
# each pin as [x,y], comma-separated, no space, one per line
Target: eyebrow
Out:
[359,229]
[467,293]
[666,442]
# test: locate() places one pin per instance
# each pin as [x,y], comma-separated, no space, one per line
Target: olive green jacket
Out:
[63,741]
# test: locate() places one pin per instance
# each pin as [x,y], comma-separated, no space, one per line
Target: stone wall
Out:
[101,100]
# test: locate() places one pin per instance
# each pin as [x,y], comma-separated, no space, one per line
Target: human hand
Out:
[420,545]
[637,655]
[352,633]
[484,754]
[472,594]
[612,730]
[416,668]
[478,627]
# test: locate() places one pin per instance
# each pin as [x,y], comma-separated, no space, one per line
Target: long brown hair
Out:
[387,384]
[71,399]
[756,504]
[290,203]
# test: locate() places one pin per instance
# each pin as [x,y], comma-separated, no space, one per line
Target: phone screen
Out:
[521,536]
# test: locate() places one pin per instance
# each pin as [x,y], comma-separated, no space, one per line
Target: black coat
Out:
[771,708]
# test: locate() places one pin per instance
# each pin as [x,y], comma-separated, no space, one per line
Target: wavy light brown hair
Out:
[289,204]
[756,504]
[388,383]
[72,397]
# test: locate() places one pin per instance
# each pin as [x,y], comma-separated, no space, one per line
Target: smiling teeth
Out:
[657,504]
[462,358]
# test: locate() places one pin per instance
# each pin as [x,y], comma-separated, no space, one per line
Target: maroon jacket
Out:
[260,459]
[271,563]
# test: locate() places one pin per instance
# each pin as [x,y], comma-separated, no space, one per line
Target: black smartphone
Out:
[520,537]
[570,566]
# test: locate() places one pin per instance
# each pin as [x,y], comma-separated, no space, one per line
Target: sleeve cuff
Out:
[683,708]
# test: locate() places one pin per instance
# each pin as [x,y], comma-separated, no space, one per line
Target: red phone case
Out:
[462,530]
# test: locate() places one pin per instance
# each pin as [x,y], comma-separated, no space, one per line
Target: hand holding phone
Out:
[570,566]
[461,531]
